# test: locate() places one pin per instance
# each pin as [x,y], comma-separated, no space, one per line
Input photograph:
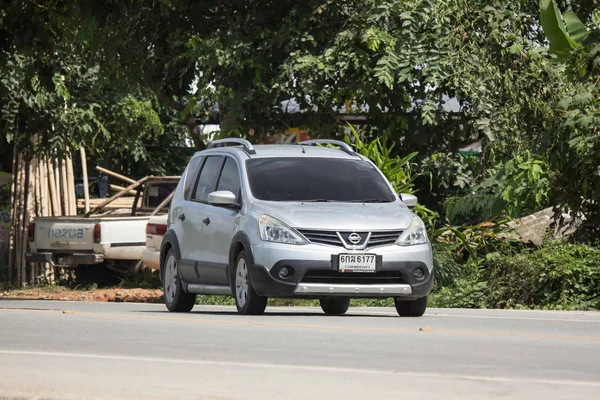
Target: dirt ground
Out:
[102,295]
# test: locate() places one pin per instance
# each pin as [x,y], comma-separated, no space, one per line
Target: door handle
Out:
[181,217]
[206,221]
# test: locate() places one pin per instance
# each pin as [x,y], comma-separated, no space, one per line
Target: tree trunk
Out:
[194,132]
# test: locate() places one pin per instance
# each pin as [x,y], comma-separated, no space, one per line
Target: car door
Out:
[219,227]
[178,218]
[194,218]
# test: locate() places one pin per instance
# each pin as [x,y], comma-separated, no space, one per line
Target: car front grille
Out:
[353,278]
[377,238]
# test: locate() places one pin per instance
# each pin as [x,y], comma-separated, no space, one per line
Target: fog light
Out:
[419,274]
[284,272]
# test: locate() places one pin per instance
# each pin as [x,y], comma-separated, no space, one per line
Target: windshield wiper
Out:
[316,201]
[370,201]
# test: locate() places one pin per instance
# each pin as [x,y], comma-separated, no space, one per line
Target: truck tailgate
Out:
[63,233]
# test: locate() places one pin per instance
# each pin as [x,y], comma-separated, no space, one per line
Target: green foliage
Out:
[465,293]
[202,299]
[470,242]
[554,28]
[575,149]
[557,276]
[398,170]
[517,187]
[447,269]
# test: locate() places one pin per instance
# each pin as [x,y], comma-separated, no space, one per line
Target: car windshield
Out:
[316,180]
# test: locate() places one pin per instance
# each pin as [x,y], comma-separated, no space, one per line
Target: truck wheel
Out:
[411,308]
[176,299]
[335,306]
[246,299]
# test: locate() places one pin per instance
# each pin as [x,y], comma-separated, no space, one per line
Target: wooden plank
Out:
[115,175]
[162,204]
[116,196]
[86,189]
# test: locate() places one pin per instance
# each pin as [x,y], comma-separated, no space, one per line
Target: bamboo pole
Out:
[119,188]
[56,211]
[64,187]
[115,175]
[71,186]
[58,186]
[86,190]
[45,211]
[43,268]
[25,184]
[162,204]
[32,209]
[17,222]
[116,196]
[13,215]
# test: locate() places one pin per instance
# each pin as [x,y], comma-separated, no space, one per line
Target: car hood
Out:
[339,216]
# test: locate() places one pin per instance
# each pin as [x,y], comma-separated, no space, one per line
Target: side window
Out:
[208,178]
[190,177]
[230,178]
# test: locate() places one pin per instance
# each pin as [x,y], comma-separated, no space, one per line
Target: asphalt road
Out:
[73,350]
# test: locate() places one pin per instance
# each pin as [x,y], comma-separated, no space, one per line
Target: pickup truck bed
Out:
[94,239]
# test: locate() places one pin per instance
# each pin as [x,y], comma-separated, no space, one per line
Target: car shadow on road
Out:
[271,314]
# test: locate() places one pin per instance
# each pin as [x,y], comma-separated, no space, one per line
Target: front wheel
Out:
[411,308]
[335,306]
[176,299]
[246,299]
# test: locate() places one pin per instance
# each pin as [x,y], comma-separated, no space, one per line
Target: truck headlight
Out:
[273,230]
[414,234]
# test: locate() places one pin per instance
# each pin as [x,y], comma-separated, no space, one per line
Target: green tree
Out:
[576,144]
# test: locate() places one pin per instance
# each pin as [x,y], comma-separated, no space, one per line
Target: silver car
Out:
[292,221]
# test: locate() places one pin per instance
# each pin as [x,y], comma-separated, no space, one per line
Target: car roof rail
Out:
[345,147]
[247,146]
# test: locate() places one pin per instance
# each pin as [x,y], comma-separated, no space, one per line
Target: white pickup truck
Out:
[155,232]
[117,240]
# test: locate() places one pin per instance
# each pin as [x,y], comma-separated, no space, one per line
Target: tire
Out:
[246,299]
[176,299]
[335,306]
[411,308]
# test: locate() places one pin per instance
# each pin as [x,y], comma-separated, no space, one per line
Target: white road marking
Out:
[304,368]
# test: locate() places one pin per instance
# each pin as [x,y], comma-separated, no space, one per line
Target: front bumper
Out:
[344,289]
[315,272]
[65,260]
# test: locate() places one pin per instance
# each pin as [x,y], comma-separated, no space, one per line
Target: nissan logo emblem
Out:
[354,238]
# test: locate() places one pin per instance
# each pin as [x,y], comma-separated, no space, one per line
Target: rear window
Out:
[316,179]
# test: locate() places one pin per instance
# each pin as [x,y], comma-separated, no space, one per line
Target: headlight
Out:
[273,230]
[414,234]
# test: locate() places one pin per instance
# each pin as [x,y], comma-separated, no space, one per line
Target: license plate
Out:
[357,262]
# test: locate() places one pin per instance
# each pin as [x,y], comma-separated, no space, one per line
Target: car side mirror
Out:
[221,198]
[410,200]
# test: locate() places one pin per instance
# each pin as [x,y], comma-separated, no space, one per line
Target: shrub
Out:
[465,293]
[447,270]
[557,275]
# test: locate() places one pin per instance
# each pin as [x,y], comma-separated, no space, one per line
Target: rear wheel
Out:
[335,306]
[411,308]
[246,299]
[176,299]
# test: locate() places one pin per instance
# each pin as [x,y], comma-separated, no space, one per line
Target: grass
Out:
[230,301]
